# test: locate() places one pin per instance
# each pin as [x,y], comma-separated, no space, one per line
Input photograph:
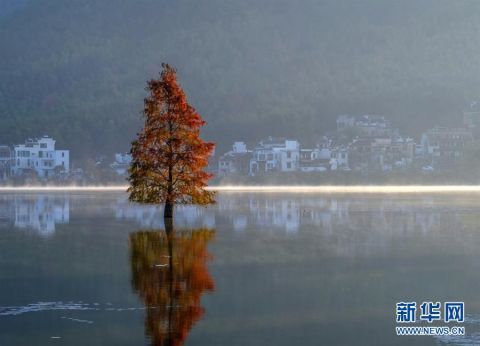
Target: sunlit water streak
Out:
[331,189]
[54,306]
[63,188]
[76,320]
[375,189]
[42,306]
[352,189]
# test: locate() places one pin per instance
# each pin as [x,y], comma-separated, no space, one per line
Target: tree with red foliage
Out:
[169,157]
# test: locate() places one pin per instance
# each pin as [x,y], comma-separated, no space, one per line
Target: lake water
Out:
[256,269]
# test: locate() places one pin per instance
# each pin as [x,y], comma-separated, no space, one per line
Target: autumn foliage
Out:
[169,157]
[170,274]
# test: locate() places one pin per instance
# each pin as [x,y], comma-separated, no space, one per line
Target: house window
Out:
[43,145]
[289,165]
[289,154]
[40,154]
[63,154]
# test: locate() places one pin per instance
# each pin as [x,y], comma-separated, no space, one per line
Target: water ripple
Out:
[53,306]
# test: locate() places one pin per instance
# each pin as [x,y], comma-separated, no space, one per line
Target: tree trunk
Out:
[168,211]
[168,222]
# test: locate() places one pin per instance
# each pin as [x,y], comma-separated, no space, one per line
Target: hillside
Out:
[77,69]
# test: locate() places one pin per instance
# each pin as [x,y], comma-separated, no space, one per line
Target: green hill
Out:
[77,69]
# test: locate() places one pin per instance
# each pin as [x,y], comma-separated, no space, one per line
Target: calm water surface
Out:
[255,269]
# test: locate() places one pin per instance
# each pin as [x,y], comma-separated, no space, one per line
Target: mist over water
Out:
[316,189]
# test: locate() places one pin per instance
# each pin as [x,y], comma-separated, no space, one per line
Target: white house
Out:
[315,160]
[340,159]
[275,155]
[39,155]
[289,156]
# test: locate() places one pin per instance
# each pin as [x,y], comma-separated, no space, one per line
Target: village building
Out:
[381,154]
[364,144]
[315,160]
[471,119]
[406,148]
[272,154]
[443,145]
[388,154]
[345,122]
[41,157]
[471,116]
[5,162]
[235,161]
[340,158]
[360,152]
[364,126]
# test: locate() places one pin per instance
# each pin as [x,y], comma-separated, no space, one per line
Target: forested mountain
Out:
[76,69]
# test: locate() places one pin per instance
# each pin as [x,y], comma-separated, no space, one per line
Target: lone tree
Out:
[169,157]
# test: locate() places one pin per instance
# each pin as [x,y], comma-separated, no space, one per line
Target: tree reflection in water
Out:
[169,273]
